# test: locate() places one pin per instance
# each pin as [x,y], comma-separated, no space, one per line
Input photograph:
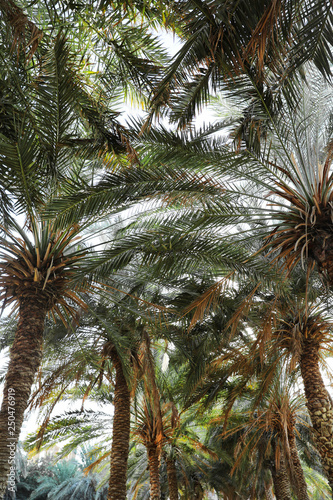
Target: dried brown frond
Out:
[96,463]
[265,34]
[242,310]
[25,33]
[207,300]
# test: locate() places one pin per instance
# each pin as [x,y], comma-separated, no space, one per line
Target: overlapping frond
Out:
[26,35]
[223,41]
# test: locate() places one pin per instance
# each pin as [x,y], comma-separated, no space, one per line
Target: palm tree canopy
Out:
[267,41]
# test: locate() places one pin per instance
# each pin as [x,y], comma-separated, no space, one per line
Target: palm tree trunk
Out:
[268,492]
[120,434]
[25,359]
[198,490]
[172,478]
[153,460]
[298,475]
[281,481]
[319,404]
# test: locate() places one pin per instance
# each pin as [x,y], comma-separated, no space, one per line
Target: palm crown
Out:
[43,268]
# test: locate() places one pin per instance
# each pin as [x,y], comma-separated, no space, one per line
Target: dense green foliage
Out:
[180,275]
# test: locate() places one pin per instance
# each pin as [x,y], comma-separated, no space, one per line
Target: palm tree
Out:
[120,430]
[150,427]
[281,198]
[272,428]
[65,480]
[38,277]
[128,333]
[267,42]
[184,460]
[114,41]
[110,340]
[303,333]
[40,265]
[225,360]
[291,327]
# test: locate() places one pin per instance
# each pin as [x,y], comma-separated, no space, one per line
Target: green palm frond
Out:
[80,426]
[125,187]
[223,41]
[316,483]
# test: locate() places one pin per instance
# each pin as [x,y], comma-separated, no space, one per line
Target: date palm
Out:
[270,431]
[126,365]
[115,36]
[63,128]
[151,428]
[39,277]
[110,354]
[302,333]
[66,480]
[282,202]
[227,361]
[292,330]
[285,190]
[267,41]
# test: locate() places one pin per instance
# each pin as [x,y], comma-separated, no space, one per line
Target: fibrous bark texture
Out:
[301,489]
[120,435]
[153,460]
[172,478]
[281,481]
[268,492]
[25,359]
[319,404]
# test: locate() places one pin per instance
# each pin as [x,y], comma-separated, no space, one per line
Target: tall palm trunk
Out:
[319,404]
[172,478]
[153,460]
[281,480]
[299,482]
[25,359]
[120,433]
[268,492]
[198,490]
